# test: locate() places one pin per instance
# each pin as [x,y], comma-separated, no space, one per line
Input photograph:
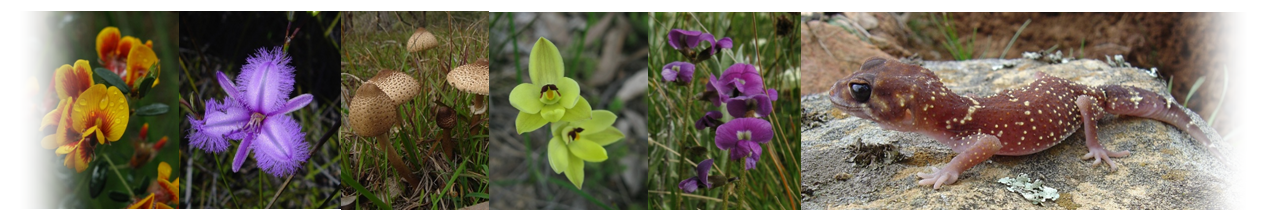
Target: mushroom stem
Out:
[395,160]
[446,140]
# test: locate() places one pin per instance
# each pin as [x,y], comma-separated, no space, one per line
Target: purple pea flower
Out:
[716,46]
[679,72]
[759,105]
[710,91]
[691,184]
[739,80]
[255,113]
[710,120]
[685,39]
[742,137]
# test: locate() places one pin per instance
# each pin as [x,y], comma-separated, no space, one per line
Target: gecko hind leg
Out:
[979,148]
[1090,113]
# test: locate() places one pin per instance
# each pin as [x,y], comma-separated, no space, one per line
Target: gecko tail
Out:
[1133,101]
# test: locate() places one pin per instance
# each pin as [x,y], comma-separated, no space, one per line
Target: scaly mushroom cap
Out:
[372,111]
[400,87]
[445,117]
[422,40]
[472,78]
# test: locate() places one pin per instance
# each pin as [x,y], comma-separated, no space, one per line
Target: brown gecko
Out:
[1024,121]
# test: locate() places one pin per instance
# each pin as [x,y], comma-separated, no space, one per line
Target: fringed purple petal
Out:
[266,80]
[294,104]
[209,133]
[228,86]
[243,150]
[281,146]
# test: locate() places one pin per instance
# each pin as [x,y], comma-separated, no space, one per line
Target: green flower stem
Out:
[116,172]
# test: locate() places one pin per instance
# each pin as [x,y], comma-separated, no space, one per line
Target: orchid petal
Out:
[587,150]
[527,122]
[545,64]
[525,97]
[605,136]
[558,156]
[575,171]
[600,119]
[581,111]
[570,90]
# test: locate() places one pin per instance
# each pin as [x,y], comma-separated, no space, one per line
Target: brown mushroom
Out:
[372,114]
[446,119]
[472,78]
[422,40]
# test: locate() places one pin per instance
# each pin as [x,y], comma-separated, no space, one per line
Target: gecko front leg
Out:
[1090,113]
[978,149]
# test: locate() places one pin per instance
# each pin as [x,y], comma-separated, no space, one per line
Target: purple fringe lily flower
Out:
[742,137]
[691,184]
[710,120]
[679,72]
[255,113]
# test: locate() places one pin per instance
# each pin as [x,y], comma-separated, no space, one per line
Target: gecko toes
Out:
[1102,155]
[938,177]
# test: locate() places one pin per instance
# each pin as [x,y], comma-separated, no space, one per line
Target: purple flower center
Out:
[257,120]
[744,135]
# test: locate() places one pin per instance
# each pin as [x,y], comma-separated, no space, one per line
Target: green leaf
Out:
[98,179]
[347,179]
[145,86]
[152,109]
[111,79]
[478,195]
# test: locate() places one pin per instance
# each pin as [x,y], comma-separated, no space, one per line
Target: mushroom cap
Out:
[472,78]
[372,113]
[400,87]
[422,40]
[445,116]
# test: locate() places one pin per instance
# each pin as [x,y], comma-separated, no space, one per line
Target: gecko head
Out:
[883,91]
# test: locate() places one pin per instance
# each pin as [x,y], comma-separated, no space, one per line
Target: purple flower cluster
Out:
[687,42]
[739,91]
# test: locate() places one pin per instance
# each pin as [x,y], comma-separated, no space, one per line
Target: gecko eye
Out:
[860,91]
